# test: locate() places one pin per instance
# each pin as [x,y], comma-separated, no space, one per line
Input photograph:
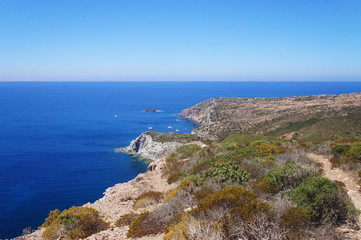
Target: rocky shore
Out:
[217,118]
[118,200]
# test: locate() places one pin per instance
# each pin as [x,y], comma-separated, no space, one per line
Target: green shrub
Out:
[189,227]
[320,198]
[175,220]
[172,165]
[187,151]
[146,199]
[294,218]
[74,223]
[126,219]
[201,166]
[256,168]
[222,157]
[53,215]
[171,159]
[261,186]
[235,141]
[173,177]
[196,178]
[145,224]
[136,224]
[354,152]
[287,176]
[339,150]
[68,221]
[227,172]
[230,207]
[202,193]
[247,153]
[266,149]
[157,196]
[233,199]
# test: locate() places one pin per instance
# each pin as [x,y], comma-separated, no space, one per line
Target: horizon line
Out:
[199,80]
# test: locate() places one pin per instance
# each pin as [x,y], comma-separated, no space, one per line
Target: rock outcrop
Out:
[145,147]
[117,201]
[200,113]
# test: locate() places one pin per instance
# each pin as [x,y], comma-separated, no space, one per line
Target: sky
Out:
[49,40]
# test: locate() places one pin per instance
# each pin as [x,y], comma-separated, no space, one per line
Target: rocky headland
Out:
[118,200]
[290,117]
[145,147]
[219,117]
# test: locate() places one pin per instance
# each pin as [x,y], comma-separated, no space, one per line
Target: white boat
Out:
[170,127]
[116,116]
[150,128]
[177,120]
[177,130]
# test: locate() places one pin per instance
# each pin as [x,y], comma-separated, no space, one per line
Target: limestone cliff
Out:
[147,148]
[200,113]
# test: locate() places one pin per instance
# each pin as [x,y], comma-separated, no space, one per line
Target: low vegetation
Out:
[246,187]
[173,137]
[73,223]
[346,154]
[321,199]
[242,185]
[126,219]
[147,199]
[314,118]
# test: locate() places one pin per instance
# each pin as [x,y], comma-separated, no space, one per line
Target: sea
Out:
[57,139]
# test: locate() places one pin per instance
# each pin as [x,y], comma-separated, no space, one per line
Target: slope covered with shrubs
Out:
[245,187]
[73,223]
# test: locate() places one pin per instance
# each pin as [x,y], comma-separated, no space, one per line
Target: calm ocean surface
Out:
[57,139]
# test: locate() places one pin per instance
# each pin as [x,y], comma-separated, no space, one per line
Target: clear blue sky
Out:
[183,39]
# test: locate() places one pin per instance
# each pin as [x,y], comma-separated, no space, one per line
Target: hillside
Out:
[236,186]
[318,117]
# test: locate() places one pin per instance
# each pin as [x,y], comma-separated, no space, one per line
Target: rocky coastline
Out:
[118,200]
[216,118]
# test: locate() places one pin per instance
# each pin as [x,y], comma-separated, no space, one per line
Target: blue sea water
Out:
[57,139]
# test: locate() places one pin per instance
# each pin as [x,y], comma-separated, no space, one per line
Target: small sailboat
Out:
[150,128]
[116,116]
[170,127]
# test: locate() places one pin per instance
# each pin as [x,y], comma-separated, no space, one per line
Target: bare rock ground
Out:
[118,200]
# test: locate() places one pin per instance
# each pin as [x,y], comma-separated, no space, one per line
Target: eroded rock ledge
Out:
[154,146]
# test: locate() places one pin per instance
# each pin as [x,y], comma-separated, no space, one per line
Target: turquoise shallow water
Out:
[57,139]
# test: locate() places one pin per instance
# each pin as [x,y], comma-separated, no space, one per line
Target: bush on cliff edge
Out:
[73,223]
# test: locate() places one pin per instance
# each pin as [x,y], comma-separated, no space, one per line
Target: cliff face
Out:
[219,117]
[200,113]
[147,148]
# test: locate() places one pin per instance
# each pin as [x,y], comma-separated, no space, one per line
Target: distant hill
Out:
[312,117]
